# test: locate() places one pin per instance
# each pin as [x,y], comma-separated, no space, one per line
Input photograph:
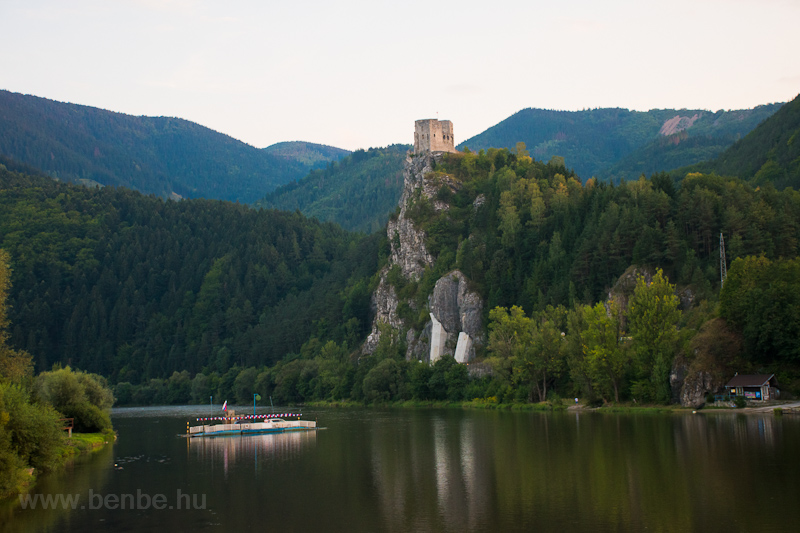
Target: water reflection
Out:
[227,450]
[514,471]
[82,474]
[452,470]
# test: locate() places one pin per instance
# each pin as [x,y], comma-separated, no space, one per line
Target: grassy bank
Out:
[86,443]
[80,443]
[557,405]
[427,404]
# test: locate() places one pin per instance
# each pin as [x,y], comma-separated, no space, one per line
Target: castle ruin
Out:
[432,135]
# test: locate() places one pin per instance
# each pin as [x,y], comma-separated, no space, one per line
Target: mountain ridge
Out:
[594,142]
[770,153]
[165,156]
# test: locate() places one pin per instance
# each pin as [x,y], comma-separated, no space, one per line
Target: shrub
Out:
[75,394]
[384,382]
[88,418]
[34,429]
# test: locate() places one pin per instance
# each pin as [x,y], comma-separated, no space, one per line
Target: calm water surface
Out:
[438,470]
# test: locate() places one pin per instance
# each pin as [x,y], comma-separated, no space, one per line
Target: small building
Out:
[754,387]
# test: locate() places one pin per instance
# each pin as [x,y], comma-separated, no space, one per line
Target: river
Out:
[435,470]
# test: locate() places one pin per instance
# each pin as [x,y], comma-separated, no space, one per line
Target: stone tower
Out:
[432,135]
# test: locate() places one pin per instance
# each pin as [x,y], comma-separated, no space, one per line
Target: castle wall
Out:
[431,135]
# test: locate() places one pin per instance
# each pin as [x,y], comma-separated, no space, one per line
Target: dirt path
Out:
[770,408]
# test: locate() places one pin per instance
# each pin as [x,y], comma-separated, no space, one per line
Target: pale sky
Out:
[356,74]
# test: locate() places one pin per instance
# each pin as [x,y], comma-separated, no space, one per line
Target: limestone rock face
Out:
[419,346]
[408,243]
[623,289]
[695,387]
[408,248]
[458,309]
[408,251]
[452,303]
[689,386]
[677,375]
[384,309]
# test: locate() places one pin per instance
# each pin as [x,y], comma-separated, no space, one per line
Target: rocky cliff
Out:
[456,307]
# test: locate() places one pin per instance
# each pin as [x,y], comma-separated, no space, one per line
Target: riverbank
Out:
[558,405]
[87,442]
[563,405]
[78,444]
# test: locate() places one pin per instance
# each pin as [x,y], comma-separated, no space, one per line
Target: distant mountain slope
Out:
[768,154]
[113,281]
[311,155]
[358,192]
[155,155]
[614,143]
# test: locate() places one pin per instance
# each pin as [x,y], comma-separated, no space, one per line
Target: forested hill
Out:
[618,143]
[358,193]
[133,287]
[154,155]
[137,288]
[768,154]
[309,154]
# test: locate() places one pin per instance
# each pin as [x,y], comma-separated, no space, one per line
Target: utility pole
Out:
[723,267]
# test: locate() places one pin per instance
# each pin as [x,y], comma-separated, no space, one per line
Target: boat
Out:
[249,425]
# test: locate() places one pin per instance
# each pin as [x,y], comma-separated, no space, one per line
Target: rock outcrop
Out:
[452,303]
[458,309]
[408,243]
[690,386]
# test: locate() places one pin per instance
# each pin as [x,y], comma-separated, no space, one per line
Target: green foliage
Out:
[652,322]
[15,365]
[607,353]
[135,288]
[310,154]
[384,382]
[358,192]
[770,154]
[12,473]
[30,434]
[761,300]
[534,347]
[180,301]
[617,143]
[540,237]
[244,386]
[154,155]
[84,397]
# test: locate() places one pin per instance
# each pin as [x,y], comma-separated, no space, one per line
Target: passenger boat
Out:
[249,425]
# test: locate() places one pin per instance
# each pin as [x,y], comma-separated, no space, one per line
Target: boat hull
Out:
[282,426]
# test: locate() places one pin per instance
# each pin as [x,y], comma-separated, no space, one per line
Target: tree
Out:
[75,394]
[533,347]
[508,331]
[652,316]
[383,382]
[761,299]
[15,365]
[244,386]
[606,352]
[544,360]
